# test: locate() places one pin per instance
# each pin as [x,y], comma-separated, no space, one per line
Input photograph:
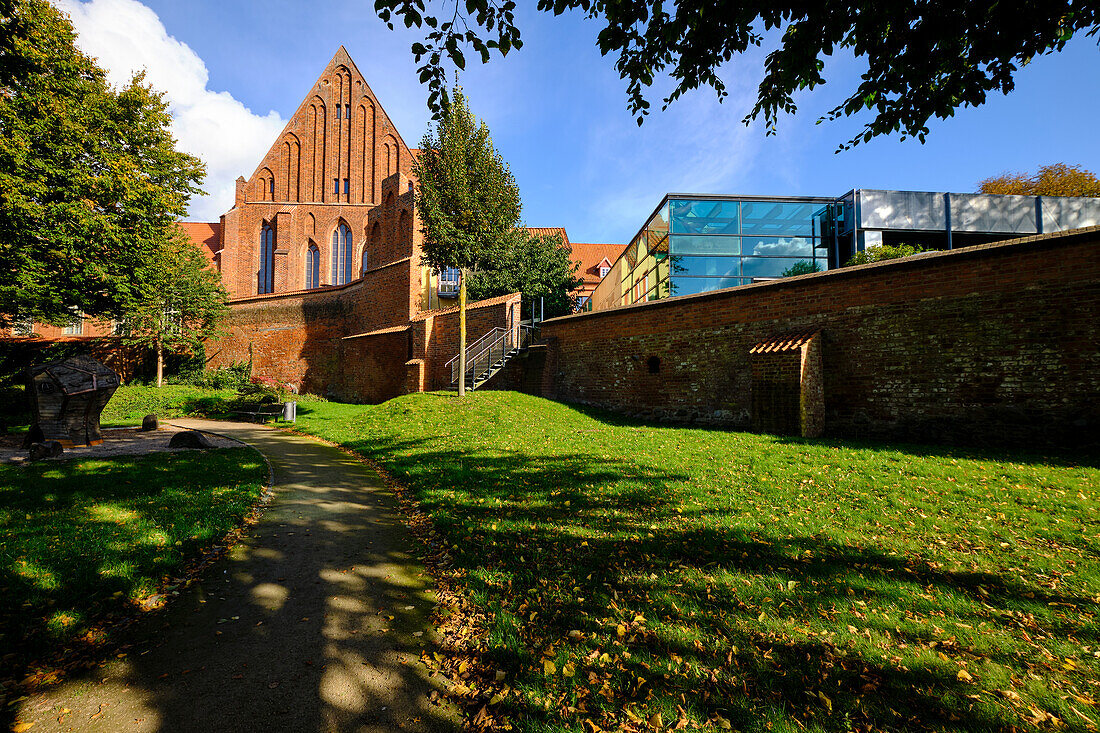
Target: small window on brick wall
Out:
[271,188]
[75,325]
[336,185]
[339,109]
[23,326]
[653,363]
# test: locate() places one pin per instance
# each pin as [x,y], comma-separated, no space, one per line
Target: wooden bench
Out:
[260,412]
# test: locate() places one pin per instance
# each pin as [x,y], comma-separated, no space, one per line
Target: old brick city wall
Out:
[994,344]
[320,340]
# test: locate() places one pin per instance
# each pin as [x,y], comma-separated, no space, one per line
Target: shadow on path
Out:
[315,622]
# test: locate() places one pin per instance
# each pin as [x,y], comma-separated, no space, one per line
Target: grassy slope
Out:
[729,579]
[82,538]
[130,404]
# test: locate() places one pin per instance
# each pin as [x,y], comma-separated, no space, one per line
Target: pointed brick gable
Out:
[339,132]
[331,197]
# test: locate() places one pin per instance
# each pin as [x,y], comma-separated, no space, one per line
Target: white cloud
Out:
[126,36]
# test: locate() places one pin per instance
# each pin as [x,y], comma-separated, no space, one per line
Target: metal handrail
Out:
[491,334]
[482,361]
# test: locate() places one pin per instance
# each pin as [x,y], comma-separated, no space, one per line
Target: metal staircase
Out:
[488,355]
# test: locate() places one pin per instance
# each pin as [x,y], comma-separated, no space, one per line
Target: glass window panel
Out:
[777,218]
[778,246]
[768,267]
[686,245]
[693,285]
[704,266]
[704,217]
[656,231]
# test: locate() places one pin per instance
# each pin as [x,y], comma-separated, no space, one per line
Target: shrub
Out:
[879,252]
[261,389]
[230,377]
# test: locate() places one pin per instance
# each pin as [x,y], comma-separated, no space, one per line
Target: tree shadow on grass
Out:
[1082,456]
[589,543]
[314,622]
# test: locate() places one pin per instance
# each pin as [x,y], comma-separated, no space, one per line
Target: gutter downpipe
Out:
[947,218]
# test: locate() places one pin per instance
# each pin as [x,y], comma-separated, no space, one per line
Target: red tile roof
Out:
[206,235]
[488,302]
[591,255]
[787,342]
[550,230]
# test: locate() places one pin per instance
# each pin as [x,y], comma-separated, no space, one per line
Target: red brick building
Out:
[321,256]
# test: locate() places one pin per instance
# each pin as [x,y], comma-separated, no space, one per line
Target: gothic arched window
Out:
[265,276]
[313,267]
[341,255]
[364,270]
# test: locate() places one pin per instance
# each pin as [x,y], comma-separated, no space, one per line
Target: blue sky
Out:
[235,71]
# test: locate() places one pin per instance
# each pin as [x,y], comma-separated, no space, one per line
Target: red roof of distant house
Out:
[206,235]
[550,230]
[591,255]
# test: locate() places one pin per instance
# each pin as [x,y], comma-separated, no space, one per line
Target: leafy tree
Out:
[802,267]
[537,265]
[923,59]
[184,304]
[90,180]
[1057,179]
[467,198]
[879,252]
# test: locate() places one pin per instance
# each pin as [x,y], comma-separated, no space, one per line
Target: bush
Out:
[879,252]
[262,390]
[15,408]
[230,377]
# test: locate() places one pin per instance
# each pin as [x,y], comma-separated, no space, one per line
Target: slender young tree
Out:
[182,304]
[467,199]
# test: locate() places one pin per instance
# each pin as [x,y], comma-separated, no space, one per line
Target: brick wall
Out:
[436,339]
[372,367]
[352,343]
[994,344]
[294,339]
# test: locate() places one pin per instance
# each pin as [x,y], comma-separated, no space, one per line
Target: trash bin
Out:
[290,411]
[67,398]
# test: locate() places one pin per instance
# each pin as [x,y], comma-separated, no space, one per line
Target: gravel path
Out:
[315,622]
[116,442]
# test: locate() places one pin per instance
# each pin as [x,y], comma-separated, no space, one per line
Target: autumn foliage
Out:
[1057,179]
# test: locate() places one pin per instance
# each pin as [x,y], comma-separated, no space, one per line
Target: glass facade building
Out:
[697,243]
[692,244]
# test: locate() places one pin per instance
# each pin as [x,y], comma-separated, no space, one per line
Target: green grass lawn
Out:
[130,404]
[729,580]
[85,539]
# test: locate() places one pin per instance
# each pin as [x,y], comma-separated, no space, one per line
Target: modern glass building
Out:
[697,243]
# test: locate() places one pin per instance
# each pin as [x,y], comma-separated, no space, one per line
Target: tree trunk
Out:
[462,333]
[160,363]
